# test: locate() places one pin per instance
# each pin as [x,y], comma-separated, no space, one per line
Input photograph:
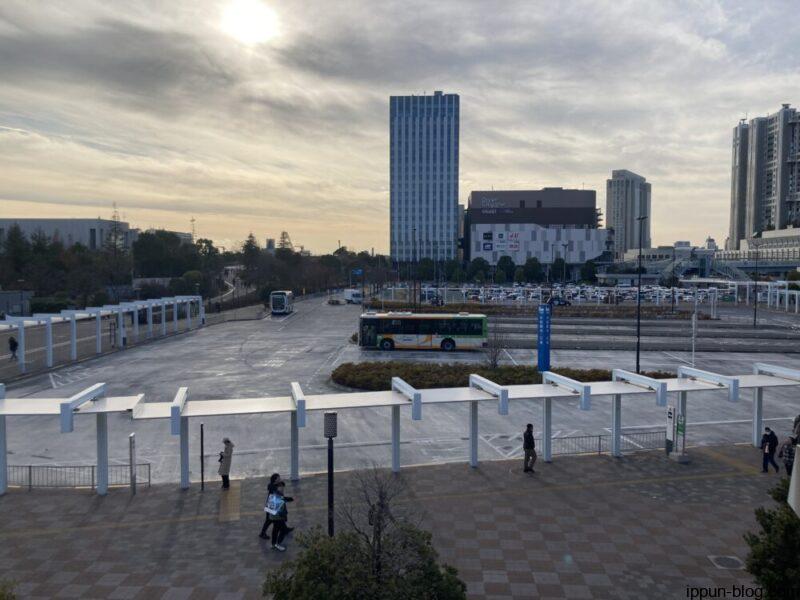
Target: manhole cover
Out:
[726,562]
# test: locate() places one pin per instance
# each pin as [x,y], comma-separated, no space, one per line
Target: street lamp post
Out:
[330,433]
[755,287]
[641,220]
[672,278]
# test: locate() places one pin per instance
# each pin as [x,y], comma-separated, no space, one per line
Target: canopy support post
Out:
[473,433]
[616,425]
[547,429]
[102,454]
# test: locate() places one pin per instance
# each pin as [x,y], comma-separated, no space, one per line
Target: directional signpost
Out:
[543,341]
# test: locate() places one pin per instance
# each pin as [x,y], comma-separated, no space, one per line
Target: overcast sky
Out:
[248,123]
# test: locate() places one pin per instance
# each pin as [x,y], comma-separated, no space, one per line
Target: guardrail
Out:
[81,476]
[600,444]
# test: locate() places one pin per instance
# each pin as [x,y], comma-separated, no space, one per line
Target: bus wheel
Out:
[387,345]
[448,345]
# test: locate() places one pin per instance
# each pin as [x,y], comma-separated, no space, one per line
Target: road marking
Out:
[678,358]
[230,503]
[53,381]
[510,357]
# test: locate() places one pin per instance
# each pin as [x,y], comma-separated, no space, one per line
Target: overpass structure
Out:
[627,386]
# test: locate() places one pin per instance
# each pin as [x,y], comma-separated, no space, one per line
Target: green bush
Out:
[7,590]
[377,375]
[774,558]
[50,305]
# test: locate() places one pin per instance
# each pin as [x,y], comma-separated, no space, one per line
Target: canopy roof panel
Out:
[763,380]
[240,406]
[355,400]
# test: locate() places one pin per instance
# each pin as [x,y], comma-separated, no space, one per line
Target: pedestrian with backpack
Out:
[276,509]
[271,486]
[529,447]
[12,347]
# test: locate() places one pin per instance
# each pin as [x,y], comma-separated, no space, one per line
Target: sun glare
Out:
[249,21]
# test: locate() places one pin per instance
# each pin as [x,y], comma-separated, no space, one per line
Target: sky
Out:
[263,116]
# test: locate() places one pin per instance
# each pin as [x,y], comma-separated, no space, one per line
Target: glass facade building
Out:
[423,176]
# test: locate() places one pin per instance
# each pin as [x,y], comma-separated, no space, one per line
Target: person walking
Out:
[273,483]
[276,508]
[12,347]
[529,447]
[787,452]
[769,444]
[225,458]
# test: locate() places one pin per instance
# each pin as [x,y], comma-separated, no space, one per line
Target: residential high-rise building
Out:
[627,199]
[765,177]
[738,186]
[423,176]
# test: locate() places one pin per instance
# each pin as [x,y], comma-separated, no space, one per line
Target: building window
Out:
[93,239]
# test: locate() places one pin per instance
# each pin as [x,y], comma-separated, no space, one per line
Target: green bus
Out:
[427,331]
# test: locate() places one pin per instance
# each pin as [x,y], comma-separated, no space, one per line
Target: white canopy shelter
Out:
[91,401]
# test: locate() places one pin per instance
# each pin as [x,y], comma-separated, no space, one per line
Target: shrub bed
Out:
[377,375]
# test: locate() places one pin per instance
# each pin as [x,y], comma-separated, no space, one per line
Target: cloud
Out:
[151,106]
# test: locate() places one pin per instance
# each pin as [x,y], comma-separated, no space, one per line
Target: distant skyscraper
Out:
[765,176]
[627,198]
[423,176]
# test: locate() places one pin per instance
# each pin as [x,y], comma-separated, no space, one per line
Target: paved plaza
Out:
[581,527]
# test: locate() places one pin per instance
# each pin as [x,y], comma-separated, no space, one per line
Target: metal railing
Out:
[599,444]
[62,476]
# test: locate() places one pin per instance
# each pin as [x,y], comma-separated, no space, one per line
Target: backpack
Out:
[275,504]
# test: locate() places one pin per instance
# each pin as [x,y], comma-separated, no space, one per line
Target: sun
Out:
[249,21]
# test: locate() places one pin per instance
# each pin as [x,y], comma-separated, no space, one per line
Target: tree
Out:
[589,271]
[500,276]
[534,273]
[495,346]
[507,266]
[380,555]
[477,267]
[774,558]
[424,270]
[519,275]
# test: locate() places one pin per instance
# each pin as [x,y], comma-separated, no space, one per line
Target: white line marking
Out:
[510,357]
[709,423]
[53,381]
[678,358]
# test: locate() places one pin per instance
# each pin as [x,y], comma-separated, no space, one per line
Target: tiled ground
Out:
[581,527]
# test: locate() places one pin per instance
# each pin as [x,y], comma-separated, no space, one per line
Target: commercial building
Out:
[628,199]
[423,176]
[765,175]
[92,233]
[544,224]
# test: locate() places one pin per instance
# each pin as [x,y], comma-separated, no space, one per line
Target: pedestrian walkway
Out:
[581,527]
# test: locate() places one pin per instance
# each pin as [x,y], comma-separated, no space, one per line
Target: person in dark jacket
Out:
[273,482]
[225,458]
[529,447]
[769,444]
[279,529]
[12,347]
[787,453]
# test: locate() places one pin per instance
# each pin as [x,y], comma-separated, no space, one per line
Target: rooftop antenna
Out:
[194,233]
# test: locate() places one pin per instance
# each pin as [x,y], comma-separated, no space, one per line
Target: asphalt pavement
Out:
[261,358]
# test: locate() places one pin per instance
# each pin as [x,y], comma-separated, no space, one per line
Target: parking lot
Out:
[261,358]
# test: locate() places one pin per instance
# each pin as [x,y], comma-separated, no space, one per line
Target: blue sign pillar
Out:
[543,342]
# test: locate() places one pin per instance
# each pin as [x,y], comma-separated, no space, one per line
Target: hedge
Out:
[377,375]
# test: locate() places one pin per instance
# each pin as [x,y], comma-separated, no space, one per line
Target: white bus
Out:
[432,331]
[281,302]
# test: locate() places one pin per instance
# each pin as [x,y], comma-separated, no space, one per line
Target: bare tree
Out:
[495,346]
[372,512]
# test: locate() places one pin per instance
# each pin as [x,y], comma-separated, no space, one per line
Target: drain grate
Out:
[731,563]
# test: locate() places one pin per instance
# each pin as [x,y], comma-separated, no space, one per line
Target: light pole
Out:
[672,279]
[641,220]
[755,284]
[330,433]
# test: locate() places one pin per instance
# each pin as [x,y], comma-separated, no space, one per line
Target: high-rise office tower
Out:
[766,165]
[423,176]
[627,199]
